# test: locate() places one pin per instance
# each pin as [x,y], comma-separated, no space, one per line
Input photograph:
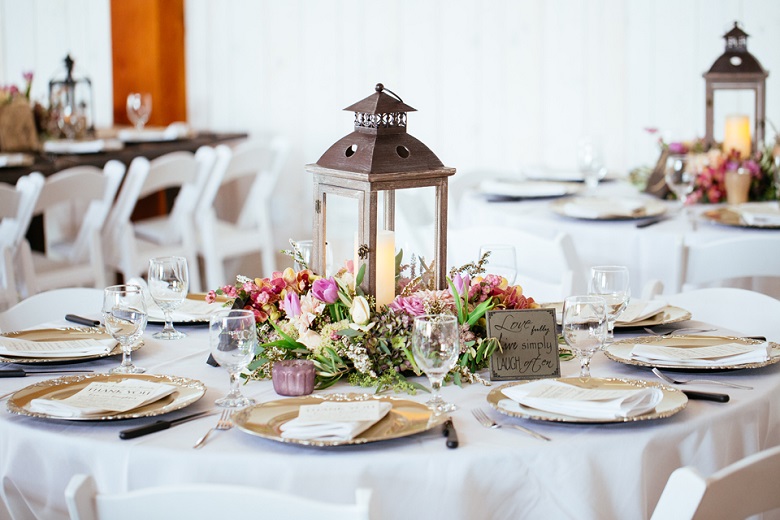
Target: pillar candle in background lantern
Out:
[385,267]
[737,135]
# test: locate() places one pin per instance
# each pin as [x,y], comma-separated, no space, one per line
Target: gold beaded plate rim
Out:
[62,334]
[667,315]
[188,391]
[731,218]
[620,351]
[673,401]
[405,418]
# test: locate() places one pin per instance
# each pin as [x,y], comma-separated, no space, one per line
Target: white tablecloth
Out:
[649,253]
[588,471]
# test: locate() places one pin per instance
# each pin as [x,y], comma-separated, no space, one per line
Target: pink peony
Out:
[411,305]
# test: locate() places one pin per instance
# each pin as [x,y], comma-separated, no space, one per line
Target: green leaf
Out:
[359,278]
[480,311]
[458,304]
[456,379]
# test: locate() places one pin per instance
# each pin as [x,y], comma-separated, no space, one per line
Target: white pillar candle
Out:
[737,136]
[385,267]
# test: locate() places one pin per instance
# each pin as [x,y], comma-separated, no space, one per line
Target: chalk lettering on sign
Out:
[529,345]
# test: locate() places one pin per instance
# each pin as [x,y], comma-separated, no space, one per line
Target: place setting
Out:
[608,208]
[506,190]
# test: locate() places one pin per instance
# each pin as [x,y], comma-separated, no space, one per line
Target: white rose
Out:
[311,339]
[359,311]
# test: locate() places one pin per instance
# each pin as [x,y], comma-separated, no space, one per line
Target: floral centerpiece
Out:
[301,315]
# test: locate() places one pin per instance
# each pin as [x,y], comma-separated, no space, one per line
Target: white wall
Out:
[497,83]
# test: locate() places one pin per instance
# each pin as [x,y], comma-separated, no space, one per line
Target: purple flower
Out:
[292,305]
[326,290]
[677,148]
[461,282]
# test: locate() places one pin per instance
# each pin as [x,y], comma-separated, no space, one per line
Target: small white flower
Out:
[360,311]
[311,339]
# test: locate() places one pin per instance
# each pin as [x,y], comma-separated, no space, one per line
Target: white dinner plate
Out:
[673,401]
[528,189]
[620,351]
[195,301]
[608,208]
[61,334]
[187,392]
[78,147]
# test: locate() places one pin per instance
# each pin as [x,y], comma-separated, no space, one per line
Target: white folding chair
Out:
[727,259]
[548,268]
[52,305]
[75,260]
[220,239]
[741,310]
[204,501]
[740,490]
[16,210]
[129,245]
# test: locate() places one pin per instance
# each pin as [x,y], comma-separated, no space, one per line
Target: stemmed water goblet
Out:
[679,174]
[584,328]
[139,109]
[233,339]
[124,313]
[611,282]
[435,347]
[168,285]
[502,260]
[590,162]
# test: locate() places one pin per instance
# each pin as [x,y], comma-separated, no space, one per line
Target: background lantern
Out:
[737,69]
[71,103]
[379,156]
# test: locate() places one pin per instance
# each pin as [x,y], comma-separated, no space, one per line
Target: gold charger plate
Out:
[62,334]
[669,314]
[405,418]
[651,208]
[620,351]
[729,217]
[188,391]
[198,297]
[673,401]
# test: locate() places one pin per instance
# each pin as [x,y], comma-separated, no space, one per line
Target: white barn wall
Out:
[498,83]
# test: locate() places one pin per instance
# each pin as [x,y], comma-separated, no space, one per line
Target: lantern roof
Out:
[736,59]
[380,142]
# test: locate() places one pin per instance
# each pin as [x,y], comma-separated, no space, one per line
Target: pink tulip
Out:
[326,290]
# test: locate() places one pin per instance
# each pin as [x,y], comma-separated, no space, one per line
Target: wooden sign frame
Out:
[529,344]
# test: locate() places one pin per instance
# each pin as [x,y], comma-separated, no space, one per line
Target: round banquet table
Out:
[650,253]
[614,471]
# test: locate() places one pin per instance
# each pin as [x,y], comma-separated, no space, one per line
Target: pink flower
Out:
[291,305]
[230,291]
[326,290]
[678,148]
[411,305]
[461,282]
[211,296]
[28,76]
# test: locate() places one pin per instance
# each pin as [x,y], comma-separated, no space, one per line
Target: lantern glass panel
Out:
[730,102]
[341,224]
[415,220]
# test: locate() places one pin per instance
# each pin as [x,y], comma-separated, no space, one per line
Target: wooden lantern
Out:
[737,69]
[70,98]
[378,156]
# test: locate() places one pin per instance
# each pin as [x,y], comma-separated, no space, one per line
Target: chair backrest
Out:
[548,267]
[743,311]
[203,501]
[740,490]
[755,254]
[89,186]
[50,306]
[119,216]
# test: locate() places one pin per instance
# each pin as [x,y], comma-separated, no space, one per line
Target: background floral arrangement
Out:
[329,320]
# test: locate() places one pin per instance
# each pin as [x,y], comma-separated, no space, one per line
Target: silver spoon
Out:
[671,381]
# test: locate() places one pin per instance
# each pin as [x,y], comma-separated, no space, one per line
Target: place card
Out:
[334,411]
[703,356]
[51,349]
[529,344]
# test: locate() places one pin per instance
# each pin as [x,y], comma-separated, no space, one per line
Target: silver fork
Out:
[223,423]
[690,330]
[487,422]
[669,380]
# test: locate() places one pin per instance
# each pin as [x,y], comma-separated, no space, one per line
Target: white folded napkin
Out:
[15,159]
[67,146]
[638,310]
[598,207]
[171,132]
[524,188]
[16,347]
[101,398]
[335,421]
[188,310]
[760,213]
[586,403]
[726,354]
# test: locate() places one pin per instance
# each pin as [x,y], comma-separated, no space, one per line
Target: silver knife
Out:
[132,433]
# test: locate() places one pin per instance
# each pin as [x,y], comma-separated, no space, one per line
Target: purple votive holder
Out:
[293,377]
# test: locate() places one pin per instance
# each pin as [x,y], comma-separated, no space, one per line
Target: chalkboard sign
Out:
[529,344]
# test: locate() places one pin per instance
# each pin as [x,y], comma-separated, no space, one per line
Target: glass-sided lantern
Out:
[70,102]
[737,69]
[378,156]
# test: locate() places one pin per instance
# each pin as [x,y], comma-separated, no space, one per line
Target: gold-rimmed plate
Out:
[404,418]
[673,401]
[729,217]
[187,392]
[589,208]
[62,334]
[195,301]
[669,314]
[620,351]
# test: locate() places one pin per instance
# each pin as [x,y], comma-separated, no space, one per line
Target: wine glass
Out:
[679,176]
[232,336]
[612,283]
[584,328]
[435,347]
[502,260]
[168,284]
[590,162]
[139,108]
[124,312]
